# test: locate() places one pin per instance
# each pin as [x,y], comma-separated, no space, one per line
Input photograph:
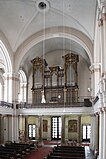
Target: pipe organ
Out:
[53,84]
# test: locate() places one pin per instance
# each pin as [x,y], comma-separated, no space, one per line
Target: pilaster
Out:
[104,133]
[1,129]
[22,95]
[79,129]
[101,129]
[93,130]
[97,132]
[101,41]
[15,128]
[63,129]
[95,77]
[26,128]
[40,127]
[11,87]
[100,94]
[102,25]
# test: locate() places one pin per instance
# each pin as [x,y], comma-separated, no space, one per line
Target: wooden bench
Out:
[63,157]
[67,152]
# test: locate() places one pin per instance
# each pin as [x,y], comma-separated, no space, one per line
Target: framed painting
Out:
[45,125]
[72,126]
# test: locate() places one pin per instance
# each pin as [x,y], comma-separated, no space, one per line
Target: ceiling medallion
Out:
[42,5]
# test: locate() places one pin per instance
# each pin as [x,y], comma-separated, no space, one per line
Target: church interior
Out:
[53,73]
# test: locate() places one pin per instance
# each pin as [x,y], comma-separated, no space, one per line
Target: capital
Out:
[103,6]
[100,22]
[11,74]
[104,109]
[101,110]
[95,67]
[96,114]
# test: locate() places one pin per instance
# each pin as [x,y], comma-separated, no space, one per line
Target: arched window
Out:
[22,86]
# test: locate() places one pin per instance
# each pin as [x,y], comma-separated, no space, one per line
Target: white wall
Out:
[29,89]
[1,85]
[84,79]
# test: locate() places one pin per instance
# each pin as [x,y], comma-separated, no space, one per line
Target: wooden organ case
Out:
[55,84]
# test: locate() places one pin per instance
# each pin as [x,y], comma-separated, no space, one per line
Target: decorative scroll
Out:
[72,126]
[45,127]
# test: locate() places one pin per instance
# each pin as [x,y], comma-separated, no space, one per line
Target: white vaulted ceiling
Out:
[21,19]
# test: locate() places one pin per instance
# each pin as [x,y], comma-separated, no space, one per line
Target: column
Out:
[15,128]
[11,87]
[104,135]
[65,94]
[92,131]
[103,8]
[23,86]
[100,94]
[49,128]
[93,140]
[26,127]
[97,132]
[96,67]
[102,24]
[79,129]
[21,129]
[6,128]
[101,41]
[40,127]
[95,75]
[101,129]
[2,129]
[15,124]
[63,129]
[104,114]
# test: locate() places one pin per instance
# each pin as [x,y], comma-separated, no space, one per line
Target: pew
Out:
[16,150]
[63,157]
[67,152]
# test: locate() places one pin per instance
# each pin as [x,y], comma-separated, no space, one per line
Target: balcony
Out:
[57,103]
[53,103]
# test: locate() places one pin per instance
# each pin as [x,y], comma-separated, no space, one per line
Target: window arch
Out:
[22,86]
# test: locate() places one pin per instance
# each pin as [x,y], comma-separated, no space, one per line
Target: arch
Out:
[69,33]
[2,64]
[23,78]
[7,61]
[22,86]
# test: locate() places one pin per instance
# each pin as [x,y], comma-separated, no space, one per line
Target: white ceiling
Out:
[20,19]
